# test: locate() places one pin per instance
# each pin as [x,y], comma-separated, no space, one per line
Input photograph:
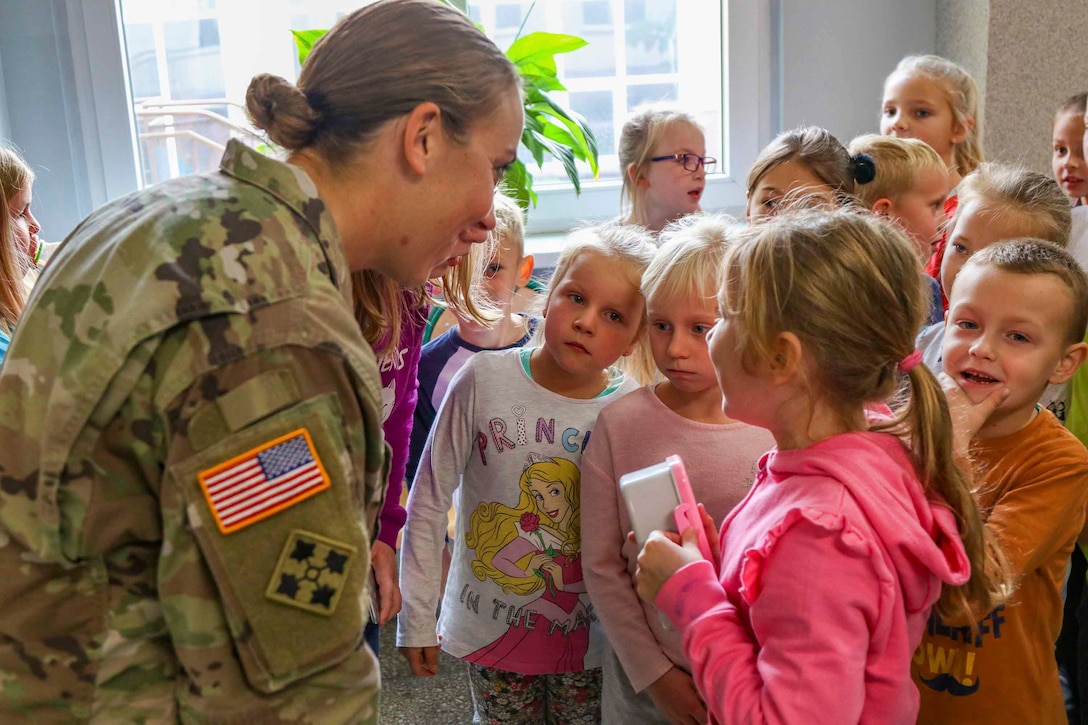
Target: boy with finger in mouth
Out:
[1016,323]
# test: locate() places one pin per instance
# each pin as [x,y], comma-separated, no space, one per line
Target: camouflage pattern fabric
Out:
[200,324]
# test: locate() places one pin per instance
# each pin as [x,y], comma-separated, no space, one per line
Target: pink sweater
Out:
[829,569]
[629,434]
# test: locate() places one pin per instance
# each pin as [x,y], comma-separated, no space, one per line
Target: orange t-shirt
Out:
[1032,493]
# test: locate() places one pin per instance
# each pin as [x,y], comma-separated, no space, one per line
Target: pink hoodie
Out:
[829,568]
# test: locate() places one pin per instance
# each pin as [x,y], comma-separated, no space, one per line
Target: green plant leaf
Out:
[549,127]
[528,140]
[518,185]
[563,154]
[583,141]
[538,50]
[304,42]
[536,83]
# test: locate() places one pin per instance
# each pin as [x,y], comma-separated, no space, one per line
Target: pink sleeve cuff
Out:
[690,592]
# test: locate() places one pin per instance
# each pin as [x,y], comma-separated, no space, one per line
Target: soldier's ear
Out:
[422,135]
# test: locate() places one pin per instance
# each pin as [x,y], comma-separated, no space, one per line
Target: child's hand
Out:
[664,554]
[968,417]
[383,560]
[422,660]
[675,696]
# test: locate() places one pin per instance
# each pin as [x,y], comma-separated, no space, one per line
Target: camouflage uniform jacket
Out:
[191,464]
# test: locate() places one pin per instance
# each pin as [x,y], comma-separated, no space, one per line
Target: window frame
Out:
[105,106]
[104,100]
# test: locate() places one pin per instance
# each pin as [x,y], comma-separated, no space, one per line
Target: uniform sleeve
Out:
[440,470]
[813,599]
[607,577]
[274,464]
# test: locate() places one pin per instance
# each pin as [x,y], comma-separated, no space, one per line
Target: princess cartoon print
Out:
[535,549]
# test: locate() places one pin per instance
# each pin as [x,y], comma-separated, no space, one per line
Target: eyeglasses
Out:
[691,162]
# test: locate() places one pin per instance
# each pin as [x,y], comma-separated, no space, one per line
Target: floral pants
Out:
[507,698]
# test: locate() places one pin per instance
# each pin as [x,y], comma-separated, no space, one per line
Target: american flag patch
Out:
[263,481]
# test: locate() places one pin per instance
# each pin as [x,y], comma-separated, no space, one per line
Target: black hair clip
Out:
[864,168]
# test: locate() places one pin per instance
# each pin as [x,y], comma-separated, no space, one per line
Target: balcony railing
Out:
[186,137]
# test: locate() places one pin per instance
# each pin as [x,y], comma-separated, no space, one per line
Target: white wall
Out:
[835,54]
[5,125]
[1038,57]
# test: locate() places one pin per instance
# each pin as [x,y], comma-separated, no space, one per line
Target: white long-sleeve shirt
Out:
[515,598]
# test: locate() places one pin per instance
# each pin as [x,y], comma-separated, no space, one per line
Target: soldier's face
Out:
[459,204]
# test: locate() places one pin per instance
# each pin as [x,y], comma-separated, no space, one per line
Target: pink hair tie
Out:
[910,361]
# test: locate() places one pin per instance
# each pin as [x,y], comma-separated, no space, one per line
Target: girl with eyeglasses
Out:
[663,157]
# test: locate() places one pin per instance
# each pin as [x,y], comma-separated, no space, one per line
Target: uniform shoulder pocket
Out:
[272,511]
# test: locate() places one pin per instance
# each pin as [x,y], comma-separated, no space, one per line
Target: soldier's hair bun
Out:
[864,168]
[281,109]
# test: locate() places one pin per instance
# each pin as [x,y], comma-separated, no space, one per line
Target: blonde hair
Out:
[1034,200]
[15,176]
[640,135]
[381,304]
[378,64]
[1036,256]
[847,280]
[821,153]
[690,259]
[961,92]
[900,163]
[631,249]
[509,228]
[494,525]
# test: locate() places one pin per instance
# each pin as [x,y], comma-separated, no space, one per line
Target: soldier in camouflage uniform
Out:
[191,461]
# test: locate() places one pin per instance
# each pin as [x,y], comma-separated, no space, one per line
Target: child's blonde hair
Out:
[15,176]
[850,287]
[689,262]
[900,162]
[632,249]
[509,226]
[381,304]
[1034,200]
[961,93]
[821,153]
[638,138]
[1036,256]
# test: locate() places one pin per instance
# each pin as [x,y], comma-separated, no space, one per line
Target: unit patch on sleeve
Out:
[263,481]
[311,572]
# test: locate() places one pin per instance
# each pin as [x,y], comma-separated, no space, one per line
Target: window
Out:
[190,62]
[635,56]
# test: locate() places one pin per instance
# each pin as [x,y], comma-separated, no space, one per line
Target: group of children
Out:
[867,385]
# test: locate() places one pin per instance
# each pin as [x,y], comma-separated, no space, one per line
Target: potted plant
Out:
[551,129]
